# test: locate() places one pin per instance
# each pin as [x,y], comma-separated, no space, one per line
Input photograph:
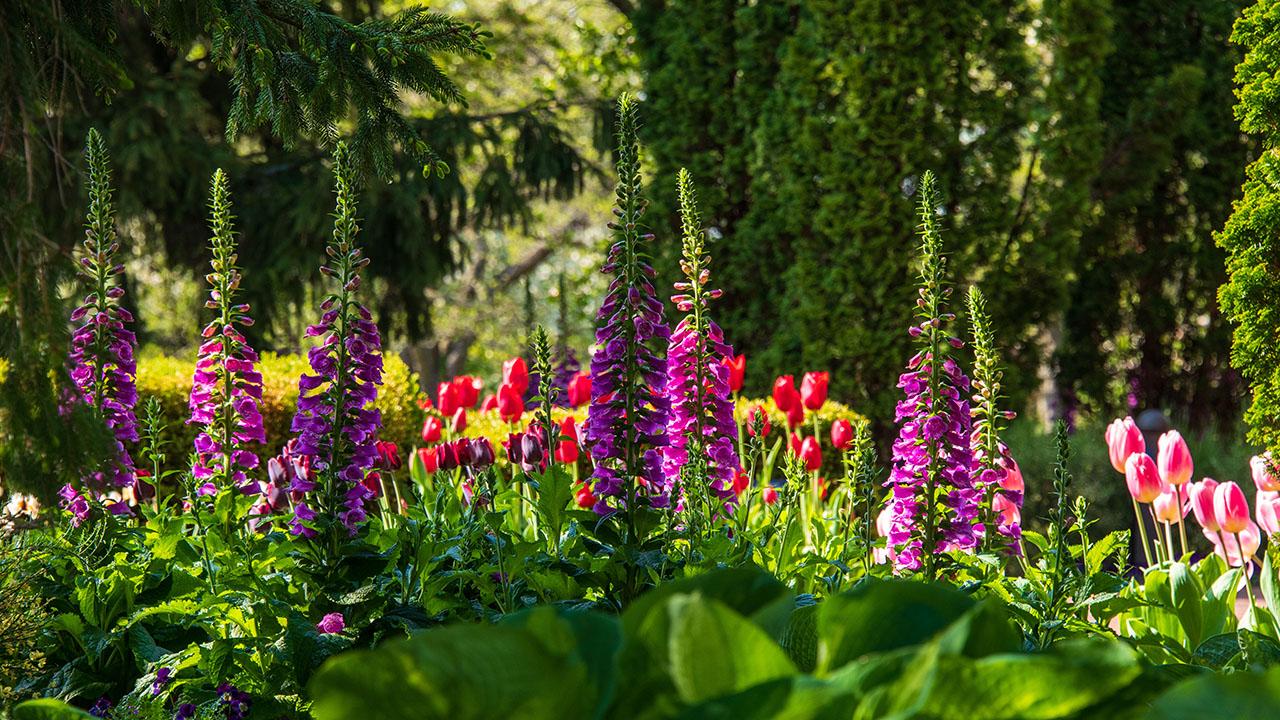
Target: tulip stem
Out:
[1182,530]
[1161,538]
[1168,538]
[1142,532]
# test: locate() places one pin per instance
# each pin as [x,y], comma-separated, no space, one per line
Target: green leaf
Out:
[555,492]
[48,709]
[1186,595]
[715,651]
[1237,695]
[1071,677]
[880,615]
[1112,543]
[1269,582]
[465,672]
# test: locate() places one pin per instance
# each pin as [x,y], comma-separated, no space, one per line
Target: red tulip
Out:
[784,392]
[813,389]
[428,458]
[1124,439]
[1201,496]
[1230,507]
[1142,477]
[468,390]
[459,421]
[1263,477]
[1174,458]
[580,389]
[737,372]
[795,414]
[425,403]
[567,451]
[741,481]
[373,482]
[388,455]
[431,428]
[516,374]
[841,434]
[447,401]
[758,411]
[490,403]
[769,495]
[584,497]
[510,403]
[811,453]
[794,441]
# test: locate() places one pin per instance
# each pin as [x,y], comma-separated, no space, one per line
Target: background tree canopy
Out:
[1085,148]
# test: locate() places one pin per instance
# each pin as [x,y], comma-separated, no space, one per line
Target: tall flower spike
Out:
[627,417]
[336,426]
[934,502]
[101,358]
[226,387]
[700,420]
[999,480]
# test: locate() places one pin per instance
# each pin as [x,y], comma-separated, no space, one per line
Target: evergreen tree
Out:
[1251,238]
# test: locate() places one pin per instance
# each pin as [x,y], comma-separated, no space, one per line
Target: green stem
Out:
[1142,532]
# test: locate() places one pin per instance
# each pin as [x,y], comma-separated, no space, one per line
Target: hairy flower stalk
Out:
[700,421]
[226,387]
[101,358]
[934,503]
[336,426]
[627,416]
[999,481]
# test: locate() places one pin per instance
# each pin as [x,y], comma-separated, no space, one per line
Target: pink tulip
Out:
[1201,496]
[1262,475]
[884,525]
[1267,510]
[1142,477]
[1230,507]
[1174,458]
[1169,506]
[1225,545]
[1124,439]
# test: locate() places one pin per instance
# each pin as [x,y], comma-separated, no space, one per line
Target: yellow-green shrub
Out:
[168,379]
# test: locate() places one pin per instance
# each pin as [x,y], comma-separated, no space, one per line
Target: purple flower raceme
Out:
[935,504]
[226,387]
[626,421]
[74,502]
[700,419]
[103,368]
[335,422]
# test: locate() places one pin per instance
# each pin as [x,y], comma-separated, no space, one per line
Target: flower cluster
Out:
[627,417]
[334,420]
[226,387]
[933,464]
[103,368]
[700,416]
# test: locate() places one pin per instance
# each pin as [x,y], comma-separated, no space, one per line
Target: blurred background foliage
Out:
[1087,151]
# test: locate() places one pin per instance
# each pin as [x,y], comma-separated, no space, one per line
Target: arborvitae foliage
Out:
[1142,326]
[1251,238]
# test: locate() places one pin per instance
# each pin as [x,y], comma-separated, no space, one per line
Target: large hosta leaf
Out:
[715,651]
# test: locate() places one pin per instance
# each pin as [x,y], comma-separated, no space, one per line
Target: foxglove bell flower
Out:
[226,387]
[999,479]
[101,358]
[626,421]
[335,421]
[935,501]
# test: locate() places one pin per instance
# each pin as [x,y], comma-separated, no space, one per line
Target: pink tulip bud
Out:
[1169,506]
[1124,439]
[1262,475]
[1201,496]
[1174,459]
[1142,477]
[1230,507]
[1267,511]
